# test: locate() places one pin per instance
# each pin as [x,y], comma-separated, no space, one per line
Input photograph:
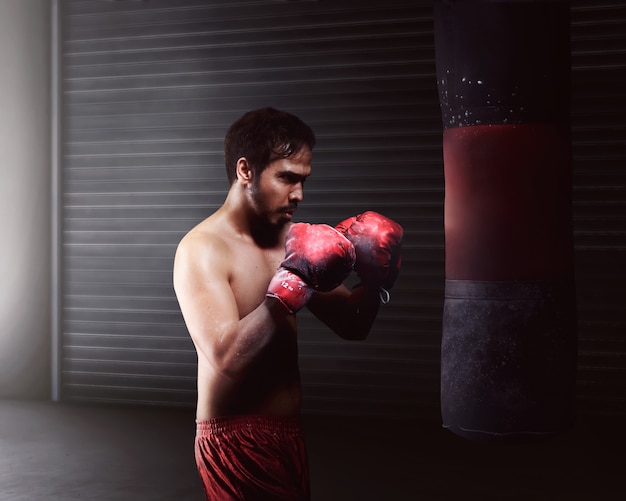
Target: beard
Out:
[268,221]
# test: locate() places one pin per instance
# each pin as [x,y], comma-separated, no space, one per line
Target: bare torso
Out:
[272,384]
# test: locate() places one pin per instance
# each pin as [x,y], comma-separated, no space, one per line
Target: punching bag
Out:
[509,344]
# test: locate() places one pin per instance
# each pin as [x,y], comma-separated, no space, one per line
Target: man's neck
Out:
[245,222]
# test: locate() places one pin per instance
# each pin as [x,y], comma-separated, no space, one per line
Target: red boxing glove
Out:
[289,289]
[317,258]
[377,241]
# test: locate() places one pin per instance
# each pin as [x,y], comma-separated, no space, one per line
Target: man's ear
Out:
[244,171]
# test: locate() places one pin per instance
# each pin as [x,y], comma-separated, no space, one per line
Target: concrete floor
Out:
[70,452]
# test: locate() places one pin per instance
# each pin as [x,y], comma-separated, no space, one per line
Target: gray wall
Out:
[25,198]
[149,90]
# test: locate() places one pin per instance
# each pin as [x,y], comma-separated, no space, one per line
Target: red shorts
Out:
[252,458]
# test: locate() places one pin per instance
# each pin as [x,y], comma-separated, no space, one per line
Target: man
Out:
[240,276]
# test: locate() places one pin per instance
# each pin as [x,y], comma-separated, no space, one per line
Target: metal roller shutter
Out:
[148,90]
[599,147]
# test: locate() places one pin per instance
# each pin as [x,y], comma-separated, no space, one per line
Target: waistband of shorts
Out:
[267,423]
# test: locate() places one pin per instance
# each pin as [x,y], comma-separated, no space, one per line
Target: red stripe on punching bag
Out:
[508,199]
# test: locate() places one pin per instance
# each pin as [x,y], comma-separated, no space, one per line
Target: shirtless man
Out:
[240,276]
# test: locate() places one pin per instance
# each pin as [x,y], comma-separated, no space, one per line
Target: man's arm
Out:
[377,242]
[321,256]
[210,310]
[349,313]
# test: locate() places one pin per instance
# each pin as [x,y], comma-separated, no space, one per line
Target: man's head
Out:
[262,136]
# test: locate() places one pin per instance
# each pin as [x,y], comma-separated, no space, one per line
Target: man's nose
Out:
[297,194]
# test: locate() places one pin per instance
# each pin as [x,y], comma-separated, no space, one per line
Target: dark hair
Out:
[262,136]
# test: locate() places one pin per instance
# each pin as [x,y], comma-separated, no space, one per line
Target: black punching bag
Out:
[509,344]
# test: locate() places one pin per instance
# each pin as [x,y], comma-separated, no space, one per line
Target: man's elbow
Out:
[222,357]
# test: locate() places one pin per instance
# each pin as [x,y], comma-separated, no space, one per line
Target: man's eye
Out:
[293,179]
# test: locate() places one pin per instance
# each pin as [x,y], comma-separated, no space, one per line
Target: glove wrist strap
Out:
[292,292]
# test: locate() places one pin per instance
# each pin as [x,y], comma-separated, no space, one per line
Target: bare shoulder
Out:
[202,252]
[203,239]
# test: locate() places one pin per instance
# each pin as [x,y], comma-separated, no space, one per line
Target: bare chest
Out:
[252,271]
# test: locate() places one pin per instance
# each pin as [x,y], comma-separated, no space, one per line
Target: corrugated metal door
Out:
[599,144]
[149,90]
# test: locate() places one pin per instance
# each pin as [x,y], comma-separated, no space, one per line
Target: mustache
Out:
[289,208]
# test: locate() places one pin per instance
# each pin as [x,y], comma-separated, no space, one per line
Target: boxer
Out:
[240,277]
